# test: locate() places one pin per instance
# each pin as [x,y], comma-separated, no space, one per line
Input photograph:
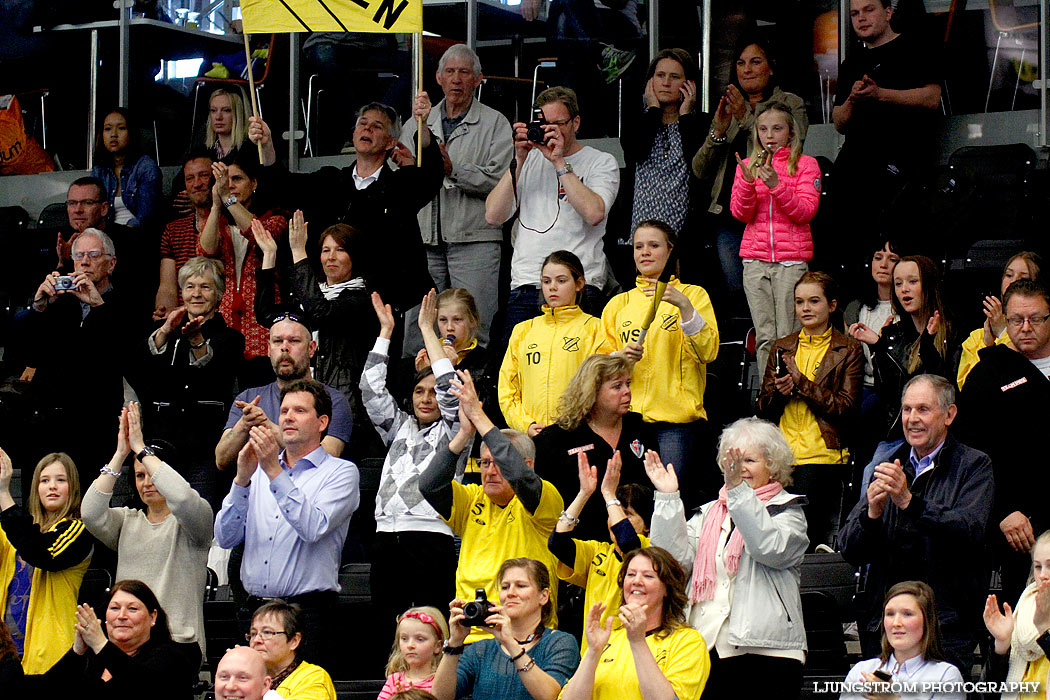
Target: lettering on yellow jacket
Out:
[542,355]
[668,382]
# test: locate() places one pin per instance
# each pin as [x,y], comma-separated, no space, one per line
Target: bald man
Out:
[241,675]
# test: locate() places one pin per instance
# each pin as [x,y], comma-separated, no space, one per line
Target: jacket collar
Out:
[832,357]
[641,282]
[473,116]
[561,314]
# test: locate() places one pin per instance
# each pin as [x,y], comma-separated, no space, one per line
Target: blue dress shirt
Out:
[293,527]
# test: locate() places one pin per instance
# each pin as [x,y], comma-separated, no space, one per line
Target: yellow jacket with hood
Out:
[542,355]
[668,382]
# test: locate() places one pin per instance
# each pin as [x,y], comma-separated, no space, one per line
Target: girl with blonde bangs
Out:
[421,632]
[44,554]
[794,144]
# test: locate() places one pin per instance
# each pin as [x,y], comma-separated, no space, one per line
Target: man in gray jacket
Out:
[476,145]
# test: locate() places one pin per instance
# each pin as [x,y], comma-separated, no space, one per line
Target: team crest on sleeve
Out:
[637,448]
[816,184]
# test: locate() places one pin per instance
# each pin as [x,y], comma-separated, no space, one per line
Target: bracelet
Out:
[568,518]
[198,347]
[515,658]
[528,666]
[106,470]
[447,648]
[613,502]
[716,139]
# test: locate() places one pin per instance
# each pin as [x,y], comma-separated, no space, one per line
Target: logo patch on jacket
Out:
[669,322]
[570,344]
[581,448]
[816,184]
[1013,384]
[637,448]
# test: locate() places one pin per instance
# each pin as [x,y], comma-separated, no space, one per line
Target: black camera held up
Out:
[534,129]
[475,612]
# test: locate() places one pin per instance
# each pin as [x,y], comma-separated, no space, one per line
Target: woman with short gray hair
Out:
[193,359]
[744,550]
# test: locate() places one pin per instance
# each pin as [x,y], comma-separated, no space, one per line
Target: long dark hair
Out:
[160,631]
[132,152]
[869,296]
[932,300]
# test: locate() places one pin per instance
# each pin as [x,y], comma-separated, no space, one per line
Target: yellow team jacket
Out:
[668,382]
[52,604]
[307,682]
[542,355]
[973,344]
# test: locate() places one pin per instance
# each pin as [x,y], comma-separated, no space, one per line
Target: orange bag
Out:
[19,153]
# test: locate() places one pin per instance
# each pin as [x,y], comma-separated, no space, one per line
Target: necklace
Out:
[536,634]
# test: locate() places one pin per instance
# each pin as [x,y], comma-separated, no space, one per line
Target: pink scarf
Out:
[703,587]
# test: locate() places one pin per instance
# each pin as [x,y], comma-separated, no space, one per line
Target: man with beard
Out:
[178,242]
[291,348]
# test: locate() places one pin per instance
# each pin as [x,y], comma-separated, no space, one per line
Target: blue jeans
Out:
[727,241]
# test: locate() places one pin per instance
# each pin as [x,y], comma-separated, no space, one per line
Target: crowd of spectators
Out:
[255,393]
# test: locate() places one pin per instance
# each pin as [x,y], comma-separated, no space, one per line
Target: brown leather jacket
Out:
[833,395]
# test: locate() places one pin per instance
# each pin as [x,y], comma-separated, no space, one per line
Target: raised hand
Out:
[894,482]
[588,474]
[611,480]
[135,441]
[633,617]
[731,464]
[722,119]
[864,334]
[877,497]
[428,311]
[736,102]
[297,233]
[664,478]
[995,321]
[259,131]
[266,244]
[221,189]
[457,632]
[385,315]
[89,628]
[464,390]
[934,323]
[597,633]
[999,624]
[745,171]
[266,448]
[651,100]
[7,472]
[247,463]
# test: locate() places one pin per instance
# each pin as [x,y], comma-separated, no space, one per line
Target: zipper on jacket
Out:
[772,251]
[786,611]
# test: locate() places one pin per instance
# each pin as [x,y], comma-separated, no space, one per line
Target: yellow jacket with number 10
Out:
[542,355]
[668,382]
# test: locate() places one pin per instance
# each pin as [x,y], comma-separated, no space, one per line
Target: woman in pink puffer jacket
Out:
[776,193]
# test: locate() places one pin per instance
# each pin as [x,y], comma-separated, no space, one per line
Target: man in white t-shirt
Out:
[564,191]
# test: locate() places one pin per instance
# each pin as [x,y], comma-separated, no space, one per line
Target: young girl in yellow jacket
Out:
[544,352]
[43,556]
[670,370]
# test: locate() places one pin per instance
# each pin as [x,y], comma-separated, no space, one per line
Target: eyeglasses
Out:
[559,122]
[72,203]
[486,463]
[92,254]
[1033,321]
[266,635]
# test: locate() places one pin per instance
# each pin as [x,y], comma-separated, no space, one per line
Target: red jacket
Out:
[778,219]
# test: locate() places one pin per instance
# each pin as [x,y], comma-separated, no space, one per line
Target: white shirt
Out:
[1043,365]
[545,207]
[121,213]
[914,670]
[362,182]
[873,318]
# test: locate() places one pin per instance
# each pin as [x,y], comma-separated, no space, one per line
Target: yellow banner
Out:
[280,16]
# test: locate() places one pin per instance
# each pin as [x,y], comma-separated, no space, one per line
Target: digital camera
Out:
[64,282]
[475,612]
[534,129]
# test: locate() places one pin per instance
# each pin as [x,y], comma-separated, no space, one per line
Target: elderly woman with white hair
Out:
[744,550]
[193,361]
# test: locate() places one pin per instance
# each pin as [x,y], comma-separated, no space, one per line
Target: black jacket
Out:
[555,464]
[1002,411]
[938,539]
[395,263]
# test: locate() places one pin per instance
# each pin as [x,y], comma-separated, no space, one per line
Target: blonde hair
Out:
[580,395]
[460,296]
[1044,538]
[794,142]
[396,663]
[239,132]
[71,509]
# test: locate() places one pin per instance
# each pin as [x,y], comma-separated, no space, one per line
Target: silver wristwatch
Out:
[566,170]
[229,201]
